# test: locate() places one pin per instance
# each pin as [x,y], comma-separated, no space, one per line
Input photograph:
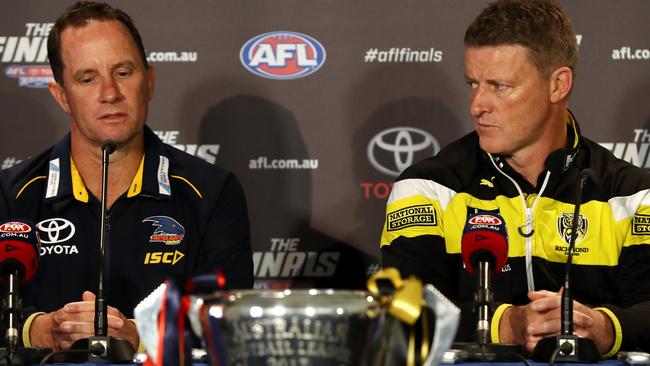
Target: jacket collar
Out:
[557,162]
[151,179]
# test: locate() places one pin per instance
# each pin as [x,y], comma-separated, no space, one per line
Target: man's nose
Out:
[479,103]
[111,90]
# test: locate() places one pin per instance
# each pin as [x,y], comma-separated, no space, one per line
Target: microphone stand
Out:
[485,351]
[13,355]
[484,303]
[568,347]
[13,313]
[102,347]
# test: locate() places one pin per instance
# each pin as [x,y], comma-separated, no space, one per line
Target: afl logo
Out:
[15,227]
[395,149]
[282,55]
[485,220]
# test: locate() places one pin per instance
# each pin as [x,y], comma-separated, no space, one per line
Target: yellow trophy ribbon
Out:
[404,302]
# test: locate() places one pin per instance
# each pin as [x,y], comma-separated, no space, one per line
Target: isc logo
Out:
[15,227]
[485,220]
[163,257]
[282,55]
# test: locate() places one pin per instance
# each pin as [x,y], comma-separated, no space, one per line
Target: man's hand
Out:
[74,321]
[541,318]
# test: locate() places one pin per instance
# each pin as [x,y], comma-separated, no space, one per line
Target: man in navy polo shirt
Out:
[170,214]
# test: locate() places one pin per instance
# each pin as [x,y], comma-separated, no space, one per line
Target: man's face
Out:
[509,100]
[106,87]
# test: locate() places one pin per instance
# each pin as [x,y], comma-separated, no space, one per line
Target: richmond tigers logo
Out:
[564,224]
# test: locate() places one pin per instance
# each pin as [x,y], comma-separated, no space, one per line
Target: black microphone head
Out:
[109,146]
[20,248]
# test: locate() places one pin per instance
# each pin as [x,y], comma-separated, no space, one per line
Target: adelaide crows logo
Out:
[168,230]
[564,224]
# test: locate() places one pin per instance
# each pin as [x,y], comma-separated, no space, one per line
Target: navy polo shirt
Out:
[181,217]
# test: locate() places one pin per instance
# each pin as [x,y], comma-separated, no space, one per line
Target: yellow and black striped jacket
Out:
[430,202]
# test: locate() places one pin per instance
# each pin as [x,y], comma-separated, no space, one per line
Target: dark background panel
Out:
[321,226]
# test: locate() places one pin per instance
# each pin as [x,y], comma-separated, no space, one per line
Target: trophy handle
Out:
[447,317]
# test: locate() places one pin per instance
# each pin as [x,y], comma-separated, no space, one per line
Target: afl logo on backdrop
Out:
[282,55]
[393,150]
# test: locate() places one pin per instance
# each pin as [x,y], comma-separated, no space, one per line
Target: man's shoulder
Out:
[27,173]
[197,174]
[454,165]
[618,176]
[183,162]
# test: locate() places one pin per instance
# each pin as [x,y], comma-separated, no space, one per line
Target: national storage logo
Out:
[282,55]
[641,225]
[418,215]
[23,54]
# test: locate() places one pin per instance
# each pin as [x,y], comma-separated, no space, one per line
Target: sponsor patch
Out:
[419,215]
[15,227]
[163,257]
[55,230]
[485,182]
[168,230]
[641,225]
[53,178]
[164,186]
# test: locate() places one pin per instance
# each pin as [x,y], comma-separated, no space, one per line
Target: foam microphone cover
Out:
[485,238]
[19,249]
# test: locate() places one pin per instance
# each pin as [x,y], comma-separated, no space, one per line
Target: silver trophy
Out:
[303,327]
[309,327]
[290,327]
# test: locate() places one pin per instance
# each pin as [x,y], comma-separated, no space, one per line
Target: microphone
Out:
[19,253]
[484,247]
[568,347]
[108,147]
[102,347]
[101,307]
[20,248]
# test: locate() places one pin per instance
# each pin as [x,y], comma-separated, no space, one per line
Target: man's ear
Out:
[58,93]
[561,83]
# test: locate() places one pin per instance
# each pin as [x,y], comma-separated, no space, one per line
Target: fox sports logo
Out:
[282,55]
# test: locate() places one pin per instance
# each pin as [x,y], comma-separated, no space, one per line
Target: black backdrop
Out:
[316,154]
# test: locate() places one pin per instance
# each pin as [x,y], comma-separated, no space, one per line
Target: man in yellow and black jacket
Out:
[523,161]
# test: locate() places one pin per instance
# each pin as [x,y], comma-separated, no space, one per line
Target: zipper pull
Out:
[528,225]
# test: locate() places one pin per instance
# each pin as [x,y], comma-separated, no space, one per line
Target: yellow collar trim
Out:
[136,184]
[28,183]
[78,187]
[572,124]
[189,184]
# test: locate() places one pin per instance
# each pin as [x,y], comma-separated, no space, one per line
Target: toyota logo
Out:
[55,230]
[398,145]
